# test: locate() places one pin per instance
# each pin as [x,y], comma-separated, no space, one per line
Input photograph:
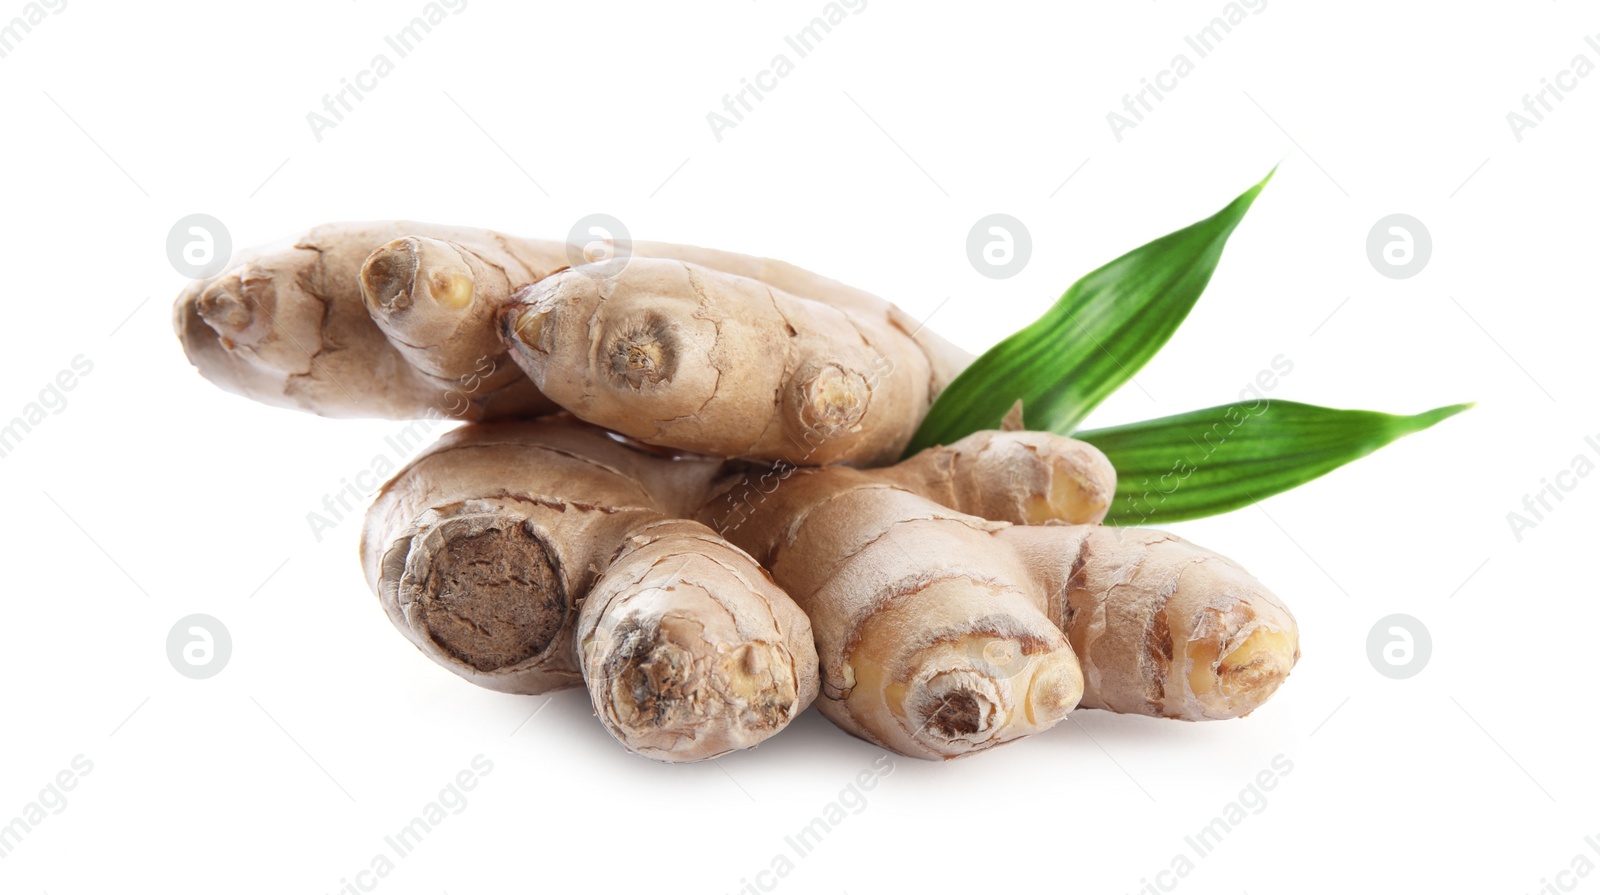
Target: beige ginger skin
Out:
[935,627]
[957,601]
[679,354]
[1163,627]
[677,346]
[295,325]
[534,555]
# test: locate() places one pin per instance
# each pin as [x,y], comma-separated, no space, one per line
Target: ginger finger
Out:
[286,325]
[1026,478]
[436,302]
[1158,626]
[946,359]
[931,641]
[484,548]
[1162,627]
[308,324]
[681,663]
[684,356]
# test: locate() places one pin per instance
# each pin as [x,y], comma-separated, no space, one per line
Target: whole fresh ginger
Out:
[942,606]
[928,620]
[677,346]
[535,555]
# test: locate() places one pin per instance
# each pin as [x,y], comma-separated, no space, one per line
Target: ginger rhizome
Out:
[1163,627]
[289,325]
[939,607]
[676,346]
[529,556]
[940,633]
[689,356]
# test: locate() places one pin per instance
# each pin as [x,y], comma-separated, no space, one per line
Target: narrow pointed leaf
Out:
[1222,458]
[1091,341]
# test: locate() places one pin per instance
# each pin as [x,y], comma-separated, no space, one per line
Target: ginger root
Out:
[1163,627]
[937,630]
[683,355]
[288,325]
[527,556]
[702,350]
[939,607]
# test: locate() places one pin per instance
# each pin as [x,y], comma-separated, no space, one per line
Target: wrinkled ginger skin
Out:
[677,354]
[888,574]
[933,642]
[396,320]
[436,302]
[681,662]
[288,325]
[944,358]
[1162,627]
[1024,478]
[484,549]
[1019,477]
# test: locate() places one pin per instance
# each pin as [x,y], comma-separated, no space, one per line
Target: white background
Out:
[153,495]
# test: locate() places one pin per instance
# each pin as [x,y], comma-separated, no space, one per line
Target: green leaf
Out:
[1222,458]
[1091,341]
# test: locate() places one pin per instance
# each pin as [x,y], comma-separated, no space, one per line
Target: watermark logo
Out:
[23,23]
[199,646]
[52,401]
[451,801]
[1580,866]
[348,499]
[51,800]
[999,246]
[852,800]
[1399,646]
[1001,657]
[198,246]
[336,106]
[754,89]
[602,242]
[1251,801]
[1552,91]
[1136,106]
[1399,246]
[1538,505]
[740,502]
[1252,402]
